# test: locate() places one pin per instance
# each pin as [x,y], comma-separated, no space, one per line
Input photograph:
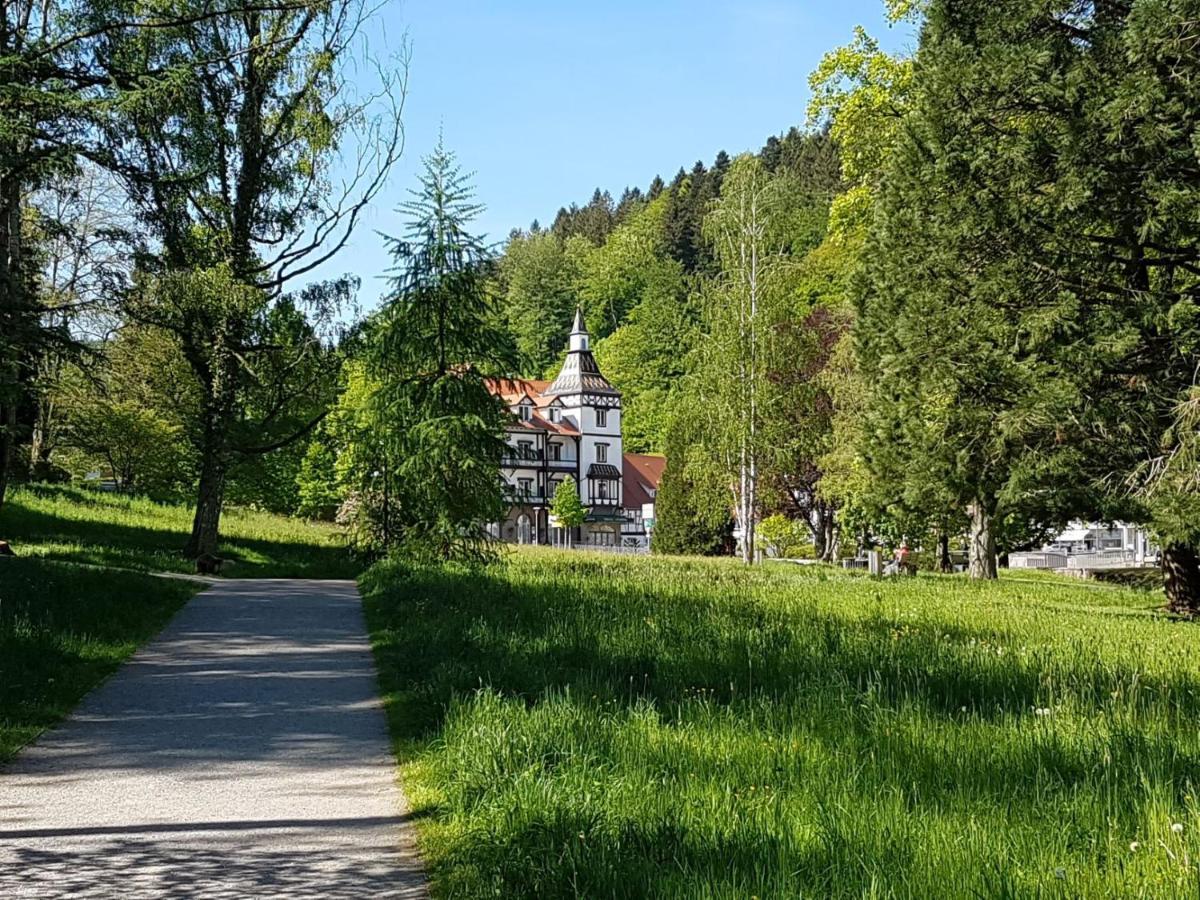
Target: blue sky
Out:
[545,101]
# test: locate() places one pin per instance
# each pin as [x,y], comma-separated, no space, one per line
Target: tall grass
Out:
[579,725]
[97,528]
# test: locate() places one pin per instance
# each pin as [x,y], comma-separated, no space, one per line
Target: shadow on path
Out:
[241,754]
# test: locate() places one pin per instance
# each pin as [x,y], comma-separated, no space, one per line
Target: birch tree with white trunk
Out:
[744,305]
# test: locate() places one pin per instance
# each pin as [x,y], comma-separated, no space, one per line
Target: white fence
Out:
[1041,560]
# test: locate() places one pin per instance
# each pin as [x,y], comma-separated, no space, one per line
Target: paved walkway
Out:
[241,754]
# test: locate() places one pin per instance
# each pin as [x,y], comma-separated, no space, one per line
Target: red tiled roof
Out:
[555,427]
[511,390]
[641,474]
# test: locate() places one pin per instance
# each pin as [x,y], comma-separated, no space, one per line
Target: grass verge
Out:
[70,524]
[578,725]
[63,630]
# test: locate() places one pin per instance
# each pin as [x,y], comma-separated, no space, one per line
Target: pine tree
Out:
[432,350]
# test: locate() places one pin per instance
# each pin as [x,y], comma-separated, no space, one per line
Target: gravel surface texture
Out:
[243,753]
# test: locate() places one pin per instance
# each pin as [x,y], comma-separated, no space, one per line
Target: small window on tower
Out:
[602,453]
[602,418]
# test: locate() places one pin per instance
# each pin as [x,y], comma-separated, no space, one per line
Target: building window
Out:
[602,453]
[555,414]
[603,490]
[525,485]
[525,412]
[602,418]
[556,451]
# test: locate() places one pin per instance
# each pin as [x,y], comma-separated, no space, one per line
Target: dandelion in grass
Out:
[1177,828]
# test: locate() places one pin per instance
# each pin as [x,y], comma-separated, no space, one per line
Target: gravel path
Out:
[241,754]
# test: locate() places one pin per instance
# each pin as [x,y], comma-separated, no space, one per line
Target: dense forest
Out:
[956,307]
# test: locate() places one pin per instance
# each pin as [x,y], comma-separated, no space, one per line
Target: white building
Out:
[568,427]
[1092,545]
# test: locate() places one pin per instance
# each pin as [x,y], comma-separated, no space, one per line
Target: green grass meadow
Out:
[79,525]
[578,725]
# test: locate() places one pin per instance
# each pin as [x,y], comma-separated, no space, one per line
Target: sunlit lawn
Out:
[87,526]
[582,725]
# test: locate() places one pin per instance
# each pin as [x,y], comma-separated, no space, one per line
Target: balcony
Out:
[517,497]
[516,457]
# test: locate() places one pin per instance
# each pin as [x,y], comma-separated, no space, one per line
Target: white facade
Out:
[568,427]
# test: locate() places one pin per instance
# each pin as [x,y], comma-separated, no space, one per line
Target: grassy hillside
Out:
[580,725]
[85,526]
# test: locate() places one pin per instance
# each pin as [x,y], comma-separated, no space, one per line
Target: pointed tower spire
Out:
[579,334]
[579,373]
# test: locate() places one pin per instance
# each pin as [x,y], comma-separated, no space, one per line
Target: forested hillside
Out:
[637,266]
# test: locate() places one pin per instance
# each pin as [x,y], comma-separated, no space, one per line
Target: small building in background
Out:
[1091,545]
[641,473]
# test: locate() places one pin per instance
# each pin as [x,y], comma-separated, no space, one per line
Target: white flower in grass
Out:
[1133,846]
[1043,711]
[1177,827]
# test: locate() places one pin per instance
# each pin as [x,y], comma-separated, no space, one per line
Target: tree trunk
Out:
[1181,579]
[12,321]
[206,525]
[820,545]
[828,528]
[944,565]
[982,549]
[8,427]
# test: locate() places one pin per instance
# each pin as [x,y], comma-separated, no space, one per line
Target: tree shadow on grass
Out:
[609,647]
[159,547]
[441,632]
[63,630]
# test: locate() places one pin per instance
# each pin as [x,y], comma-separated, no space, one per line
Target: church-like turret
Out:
[580,374]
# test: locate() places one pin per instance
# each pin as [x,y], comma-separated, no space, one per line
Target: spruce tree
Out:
[432,350]
[973,355]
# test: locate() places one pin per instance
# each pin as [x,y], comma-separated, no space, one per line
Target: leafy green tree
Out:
[991,420]
[648,356]
[431,352]
[616,276]
[743,307]
[692,514]
[540,274]
[862,93]
[259,134]
[784,537]
[345,453]
[566,506]
[126,409]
